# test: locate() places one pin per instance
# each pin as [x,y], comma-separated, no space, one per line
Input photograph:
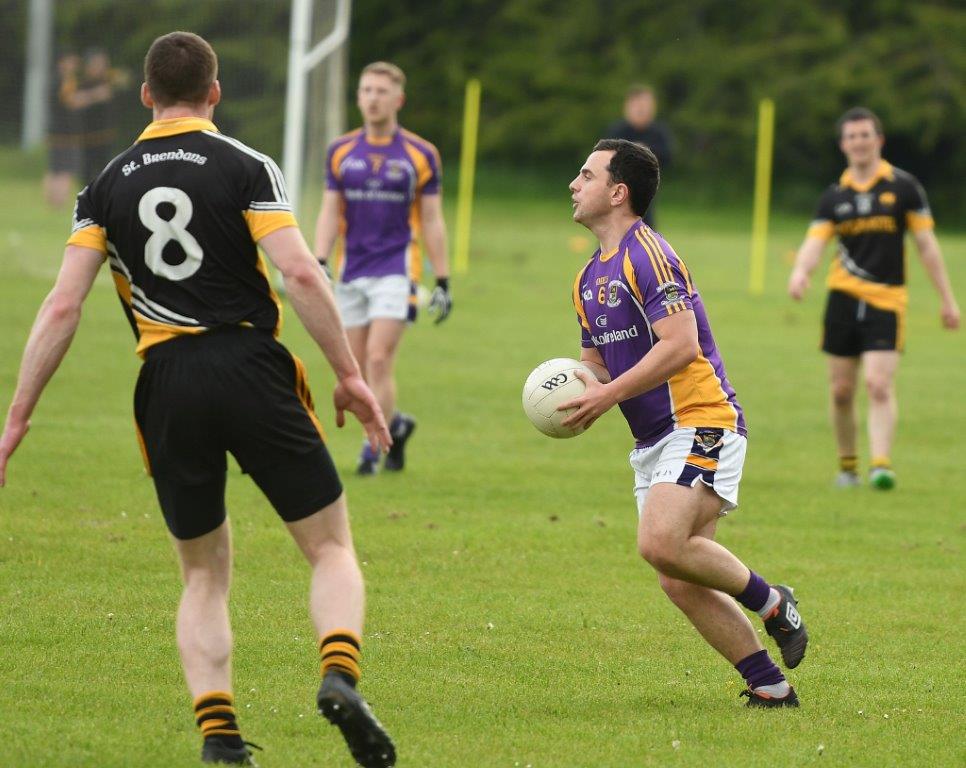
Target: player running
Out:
[178,217]
[382,193]
[646,336]
[870,209]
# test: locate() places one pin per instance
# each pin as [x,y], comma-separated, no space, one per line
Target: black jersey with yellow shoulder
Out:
[870,221]
[178,216]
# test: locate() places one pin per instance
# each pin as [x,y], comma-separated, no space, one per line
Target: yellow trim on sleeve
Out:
[919,222]
[823,229]
[578,303]
[93,237]
[261,223]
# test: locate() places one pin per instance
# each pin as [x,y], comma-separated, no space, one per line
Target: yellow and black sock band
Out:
[340,652]
[848,463]
[215,715]
[881,462]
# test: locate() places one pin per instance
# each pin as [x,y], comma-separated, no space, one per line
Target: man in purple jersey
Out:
[646,336]
[382,194]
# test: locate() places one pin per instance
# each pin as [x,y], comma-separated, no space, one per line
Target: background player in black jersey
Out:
[178,216]
[869,210]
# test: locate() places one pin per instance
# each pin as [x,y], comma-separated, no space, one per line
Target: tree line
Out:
[554,74]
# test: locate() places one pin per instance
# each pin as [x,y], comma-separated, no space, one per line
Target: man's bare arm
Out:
[49,340]
[932,260]
[308,290]
[327,224]
[808,257]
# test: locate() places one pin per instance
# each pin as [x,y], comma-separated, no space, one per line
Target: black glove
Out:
[441,303]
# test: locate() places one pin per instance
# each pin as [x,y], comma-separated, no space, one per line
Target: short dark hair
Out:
[854,115]
[638,89]
[636,166]
[180,68]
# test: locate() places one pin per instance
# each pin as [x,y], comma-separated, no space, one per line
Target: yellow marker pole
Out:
[464,202]
[759,220]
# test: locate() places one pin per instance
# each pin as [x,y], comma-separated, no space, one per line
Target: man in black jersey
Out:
[178,216]
[869,209]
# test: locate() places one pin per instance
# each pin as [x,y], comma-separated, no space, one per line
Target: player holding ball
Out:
[646,336]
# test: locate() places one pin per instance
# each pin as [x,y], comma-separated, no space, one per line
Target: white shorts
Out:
[689,455]
[369,298]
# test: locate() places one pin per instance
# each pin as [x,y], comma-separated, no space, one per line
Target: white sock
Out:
[773,599]
[776,691]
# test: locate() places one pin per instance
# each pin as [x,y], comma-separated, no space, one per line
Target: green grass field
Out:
[510,620]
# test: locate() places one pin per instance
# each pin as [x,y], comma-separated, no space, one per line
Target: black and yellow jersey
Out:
[870,221]
[178,215]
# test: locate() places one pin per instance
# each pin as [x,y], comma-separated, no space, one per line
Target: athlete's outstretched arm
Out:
[327,225]
[308,290]
[932,260]
[676,348]
[49,340]
[808,257]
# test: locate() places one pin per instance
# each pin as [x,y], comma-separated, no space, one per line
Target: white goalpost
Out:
[302,61]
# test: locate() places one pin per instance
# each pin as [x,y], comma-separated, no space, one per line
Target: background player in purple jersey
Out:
[382,194]
[645,334]
[869,209]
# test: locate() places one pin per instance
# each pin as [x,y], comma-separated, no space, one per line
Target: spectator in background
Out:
[99,83]
[63,136]
[639,125]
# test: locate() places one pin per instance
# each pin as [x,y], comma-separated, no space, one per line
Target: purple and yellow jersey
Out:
[618,297]
[381,182]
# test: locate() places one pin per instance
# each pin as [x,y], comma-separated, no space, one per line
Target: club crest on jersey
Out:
[887,199]
[613,299]
[396,170]
[671,291]
[863,204]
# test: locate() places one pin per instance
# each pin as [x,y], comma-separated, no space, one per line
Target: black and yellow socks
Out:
[340,652]
[215,715]
[849,464]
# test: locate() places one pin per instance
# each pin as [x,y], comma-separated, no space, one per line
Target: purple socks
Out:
[759,670]
[756,594]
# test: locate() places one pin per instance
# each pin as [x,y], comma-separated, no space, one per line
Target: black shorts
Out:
[234,390]
[63,157]
[853,326]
